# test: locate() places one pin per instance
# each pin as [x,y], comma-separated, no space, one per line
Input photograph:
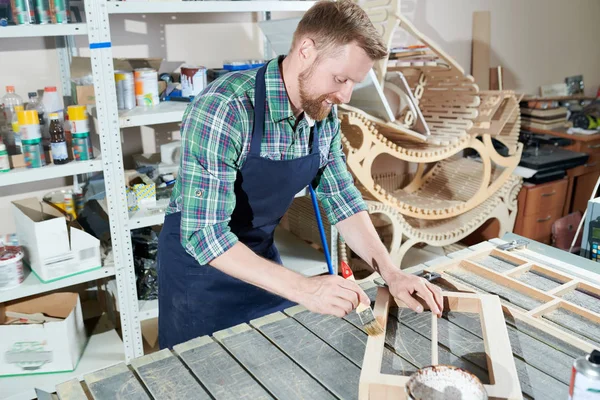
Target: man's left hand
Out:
[405,287]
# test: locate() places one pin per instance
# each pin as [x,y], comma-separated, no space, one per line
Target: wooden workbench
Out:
[301,355]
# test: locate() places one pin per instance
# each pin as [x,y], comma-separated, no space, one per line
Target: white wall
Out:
[537,42]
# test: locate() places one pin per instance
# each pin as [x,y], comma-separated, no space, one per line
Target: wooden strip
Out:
[480,61]
[584,298]
[210,364]
[564,288]
[545,308]
[166,377]
[515,272]
[348,340]
[70,390]
[434,339]
[505,255]
[116,382]
[269,365]
[575,322]
[538,280]
[533,351]
[493,263]
[330,368]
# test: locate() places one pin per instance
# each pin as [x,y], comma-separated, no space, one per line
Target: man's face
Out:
[331,79]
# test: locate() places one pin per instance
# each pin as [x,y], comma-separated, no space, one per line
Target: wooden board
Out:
[480,57]
[218,371]
[115,383]
[70,390]
[154,368]
[270,366]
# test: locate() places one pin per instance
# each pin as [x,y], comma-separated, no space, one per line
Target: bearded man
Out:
[250,142]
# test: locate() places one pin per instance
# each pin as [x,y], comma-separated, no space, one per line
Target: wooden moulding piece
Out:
[503,373]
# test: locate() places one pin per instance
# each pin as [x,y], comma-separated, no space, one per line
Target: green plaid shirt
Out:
[215,140]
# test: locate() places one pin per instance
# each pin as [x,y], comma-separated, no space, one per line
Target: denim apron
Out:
[197,300]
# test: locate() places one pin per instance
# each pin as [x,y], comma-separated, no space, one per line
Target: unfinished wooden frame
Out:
[501,366]
[569,294]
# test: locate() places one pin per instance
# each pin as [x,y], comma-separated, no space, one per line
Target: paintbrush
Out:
[365,313]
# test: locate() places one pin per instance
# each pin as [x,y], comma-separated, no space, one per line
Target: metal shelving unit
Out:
[163,7]
[21,31]
[24,175]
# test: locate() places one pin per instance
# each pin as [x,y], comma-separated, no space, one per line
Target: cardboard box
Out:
[54,246]
[82,67]
[140,190]
[40,348]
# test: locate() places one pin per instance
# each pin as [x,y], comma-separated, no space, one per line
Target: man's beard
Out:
[314,108]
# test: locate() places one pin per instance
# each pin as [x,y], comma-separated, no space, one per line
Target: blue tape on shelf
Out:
[102,45]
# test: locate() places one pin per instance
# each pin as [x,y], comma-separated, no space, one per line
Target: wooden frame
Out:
[551,300]
[503,373]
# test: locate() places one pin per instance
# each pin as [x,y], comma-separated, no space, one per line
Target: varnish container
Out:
[11,267]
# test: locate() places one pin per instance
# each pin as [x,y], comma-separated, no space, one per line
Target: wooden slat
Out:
[480,63]
[115,383]
[269,365]
[166,377]
[348,340]
[321,361]
[70,390]
[218,371]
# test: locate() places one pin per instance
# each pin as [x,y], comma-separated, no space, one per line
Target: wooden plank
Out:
[534,352]
[218,371]
[116,382]
[480,50]
[269,365]
[538,280]
[584,298]
[70,390]
[321,361]
[494,263]
[166,377]
[348,340]
[575,323]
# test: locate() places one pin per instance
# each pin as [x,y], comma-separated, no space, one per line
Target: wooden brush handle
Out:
[347,274]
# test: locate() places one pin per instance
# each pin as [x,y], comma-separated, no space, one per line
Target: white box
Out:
[47,347]
[54,248]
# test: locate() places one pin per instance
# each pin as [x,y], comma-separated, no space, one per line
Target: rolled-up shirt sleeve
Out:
[210,148]
[336,190]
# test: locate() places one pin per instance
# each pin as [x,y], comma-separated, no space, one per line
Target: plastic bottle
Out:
[15,137]
[36,104]
[53,102]
[58,142]
[4,162]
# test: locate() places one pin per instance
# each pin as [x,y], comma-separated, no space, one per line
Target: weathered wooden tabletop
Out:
[301,355]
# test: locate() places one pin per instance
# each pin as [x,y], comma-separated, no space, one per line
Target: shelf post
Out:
[114,179]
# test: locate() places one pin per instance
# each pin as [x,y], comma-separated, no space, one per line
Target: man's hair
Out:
[332,24]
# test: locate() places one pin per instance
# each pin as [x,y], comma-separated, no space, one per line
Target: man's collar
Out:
[277,98]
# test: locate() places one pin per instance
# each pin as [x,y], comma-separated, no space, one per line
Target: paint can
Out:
[193,80]
[11,267]
[82,146]
[29,125]
[34,153]
[59,11]
[78,119]
[70,204]
[585,377]
[146,87]
[444,382]
[125,90]
[24,12]
[42,11]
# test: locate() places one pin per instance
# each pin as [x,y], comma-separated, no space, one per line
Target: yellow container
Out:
[15,124]
[28,117]
[77,112]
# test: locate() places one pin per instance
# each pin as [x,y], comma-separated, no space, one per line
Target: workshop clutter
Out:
[54,244]
[42,131]
[145,248]
[41,335]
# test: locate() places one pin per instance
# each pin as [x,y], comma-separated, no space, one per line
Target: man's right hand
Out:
[331,294]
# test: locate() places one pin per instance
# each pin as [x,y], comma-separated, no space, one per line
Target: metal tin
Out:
[34,153]
[24,12]
[78,119]
[193,80]
[70,204]
[585,377]
[146,87]
[59,11]
[42,11]
[82,147]
[125,90]
[11,267]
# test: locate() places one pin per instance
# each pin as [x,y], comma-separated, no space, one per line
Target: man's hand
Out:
[331,294]
[405,287]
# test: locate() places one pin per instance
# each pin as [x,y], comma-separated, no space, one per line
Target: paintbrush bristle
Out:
[370,324]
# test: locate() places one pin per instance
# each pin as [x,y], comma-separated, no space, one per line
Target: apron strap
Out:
[259,111]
